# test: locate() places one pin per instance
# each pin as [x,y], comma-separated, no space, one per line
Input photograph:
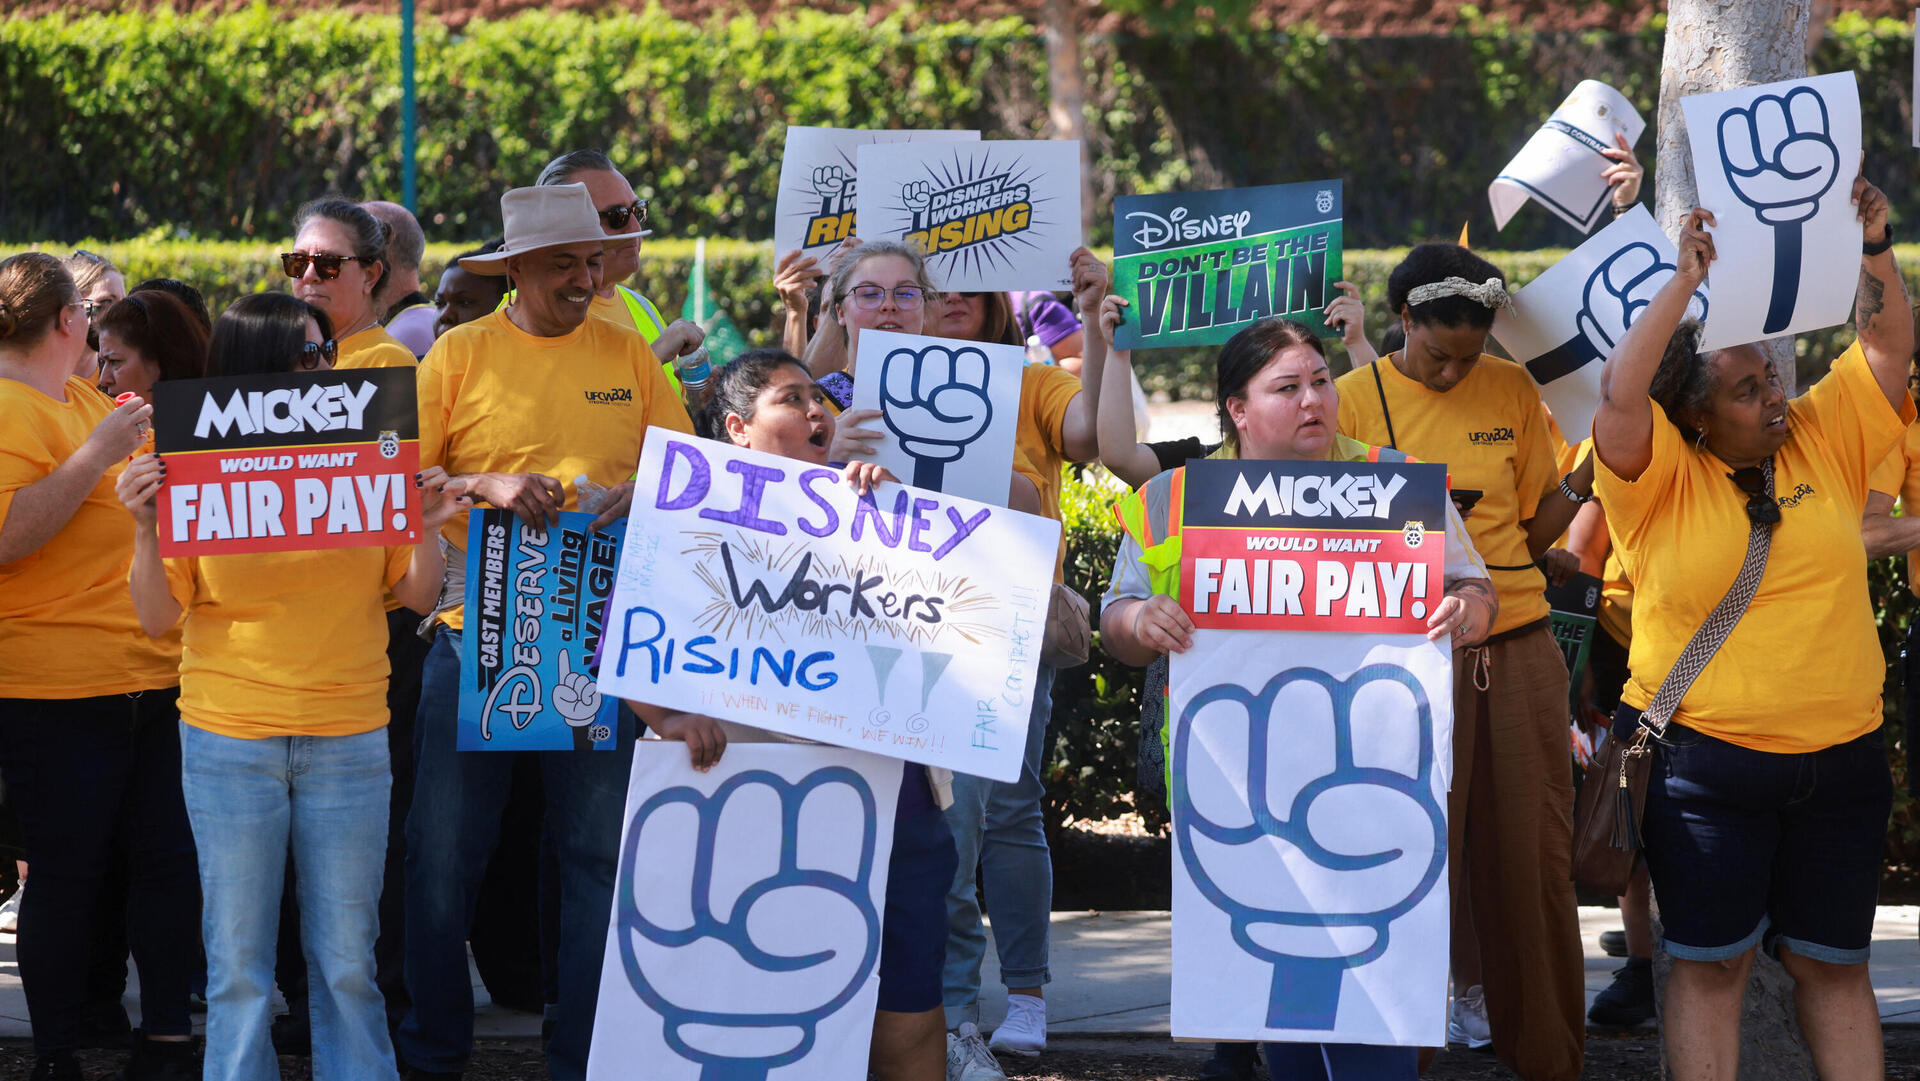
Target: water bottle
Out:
[693,369]
[1037,352]
[591,496]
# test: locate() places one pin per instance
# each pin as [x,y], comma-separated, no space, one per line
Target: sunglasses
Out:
[325,267]
[1760,509]
[312,353]
[906,298]
[617,217]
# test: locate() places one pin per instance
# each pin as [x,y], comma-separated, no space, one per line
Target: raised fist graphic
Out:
[1617,291]
[832,183]
[1780,160]
[935,400]
[917,196]
[1326,838]
[576,696]
[787,943]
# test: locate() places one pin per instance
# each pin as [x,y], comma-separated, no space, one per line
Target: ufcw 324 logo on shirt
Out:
[1491,437]
[615,396]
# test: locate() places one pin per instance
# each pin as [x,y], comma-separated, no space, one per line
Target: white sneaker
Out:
[1467,1019]
[10,912]
[1024,1032]
[968,1058]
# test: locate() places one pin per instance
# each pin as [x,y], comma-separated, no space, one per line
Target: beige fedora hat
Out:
[546,217]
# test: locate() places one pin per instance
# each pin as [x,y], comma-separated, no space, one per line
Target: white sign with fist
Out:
[814,210]
[745,935]
[1775,164]
[949,410]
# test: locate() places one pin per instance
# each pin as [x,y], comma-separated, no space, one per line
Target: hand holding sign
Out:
[1780,159]
[138,484]
[801,930]
[934,399]
[1325,852]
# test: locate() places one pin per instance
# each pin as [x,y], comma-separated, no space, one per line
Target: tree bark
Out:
[1066,92]
[1723,45]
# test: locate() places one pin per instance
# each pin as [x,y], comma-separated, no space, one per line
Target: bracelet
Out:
[1620,210]
[1566,489]
[1875,249]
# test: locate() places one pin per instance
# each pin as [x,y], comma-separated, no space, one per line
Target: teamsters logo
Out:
[974,211]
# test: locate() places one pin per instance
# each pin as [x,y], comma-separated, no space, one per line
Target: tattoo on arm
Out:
[1872,300]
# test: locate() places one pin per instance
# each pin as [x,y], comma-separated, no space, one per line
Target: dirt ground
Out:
[1631,1057]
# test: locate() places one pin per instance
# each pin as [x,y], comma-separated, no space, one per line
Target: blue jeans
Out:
[451,830]
[250,800]
[999,828]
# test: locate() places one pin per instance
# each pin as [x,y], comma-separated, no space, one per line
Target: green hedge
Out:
[221,124]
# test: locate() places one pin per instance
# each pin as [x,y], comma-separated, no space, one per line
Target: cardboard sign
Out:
[1560,166]
[1200,266]
[1565,323]
[949,410]
[1775,164]
[1574,608]
[814,211]
[762,590]
[291,462]
[991,216]
[536,607]
[745,936]
[1325,546]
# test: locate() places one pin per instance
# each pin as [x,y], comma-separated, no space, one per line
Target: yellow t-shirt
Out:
[1616,599]
[1039,449]
[67,628]
[1491,433]
[1681,531]
[1898,475]
[495,399]
[373,348]
[286,643]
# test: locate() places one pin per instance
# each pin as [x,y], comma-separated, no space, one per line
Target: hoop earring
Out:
[1700,440]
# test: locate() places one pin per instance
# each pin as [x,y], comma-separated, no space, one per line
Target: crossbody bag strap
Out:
[1718,626]
[1385,413]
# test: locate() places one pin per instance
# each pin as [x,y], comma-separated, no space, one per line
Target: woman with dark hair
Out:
[1277,402]
[1737,515]
[148,337]
[338,260]
[1510,814]
[978,317]
[88,743]
[282,729]
[463,296]
[194,299]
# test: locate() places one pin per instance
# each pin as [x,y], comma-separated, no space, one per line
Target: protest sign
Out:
[1311,750]
[814,210]
[1199,266]
[991,216]
[1563,325]
[1775,164]
[745,936]
[536,607]
[762,590]
[1573,610]
[949,410]
[1560,166]
[289,462]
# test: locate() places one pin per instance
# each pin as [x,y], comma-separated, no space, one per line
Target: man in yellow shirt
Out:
[521,402]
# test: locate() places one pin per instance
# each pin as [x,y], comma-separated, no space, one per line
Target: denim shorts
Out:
[913,936]
[1740,841]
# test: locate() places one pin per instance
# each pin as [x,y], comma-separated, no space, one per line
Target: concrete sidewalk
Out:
[1112,971]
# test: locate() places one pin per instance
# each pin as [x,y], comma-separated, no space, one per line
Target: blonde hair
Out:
[87,269]
[851,259]
[34,289]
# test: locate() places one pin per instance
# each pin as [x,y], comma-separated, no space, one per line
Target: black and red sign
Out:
[1313,546]
[288,462]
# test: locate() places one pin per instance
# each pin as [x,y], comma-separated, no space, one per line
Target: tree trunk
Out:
[1067,98]
[1722,45]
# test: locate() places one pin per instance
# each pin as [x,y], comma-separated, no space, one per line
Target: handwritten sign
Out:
[290,462]
[760,589]
[814,211]
[991,216]
[1560,166]
[536,605]
[1200,266]
[949,410]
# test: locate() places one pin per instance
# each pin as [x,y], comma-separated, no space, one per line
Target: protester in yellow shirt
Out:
[89,743]
[283,698]
[521,402]
[338,260]
[1716,482]
[1510,816]
[1898,477]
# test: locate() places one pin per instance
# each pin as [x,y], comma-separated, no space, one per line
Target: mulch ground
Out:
[1631,1057]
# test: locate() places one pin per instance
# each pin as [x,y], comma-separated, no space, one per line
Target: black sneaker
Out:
[1628,1000]
[158,1060]
[104,1026]
[415,1073]
[292,1034]
[1613,943]
[1231,1062]
[59,1066]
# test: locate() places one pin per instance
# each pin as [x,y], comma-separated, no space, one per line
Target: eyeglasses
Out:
[313,353]
[92,308]
[906,298]
[325,267]
[616,216]
[1760,509]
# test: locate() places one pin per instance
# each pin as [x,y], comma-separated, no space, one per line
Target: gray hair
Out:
[406,243]
[564,168]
